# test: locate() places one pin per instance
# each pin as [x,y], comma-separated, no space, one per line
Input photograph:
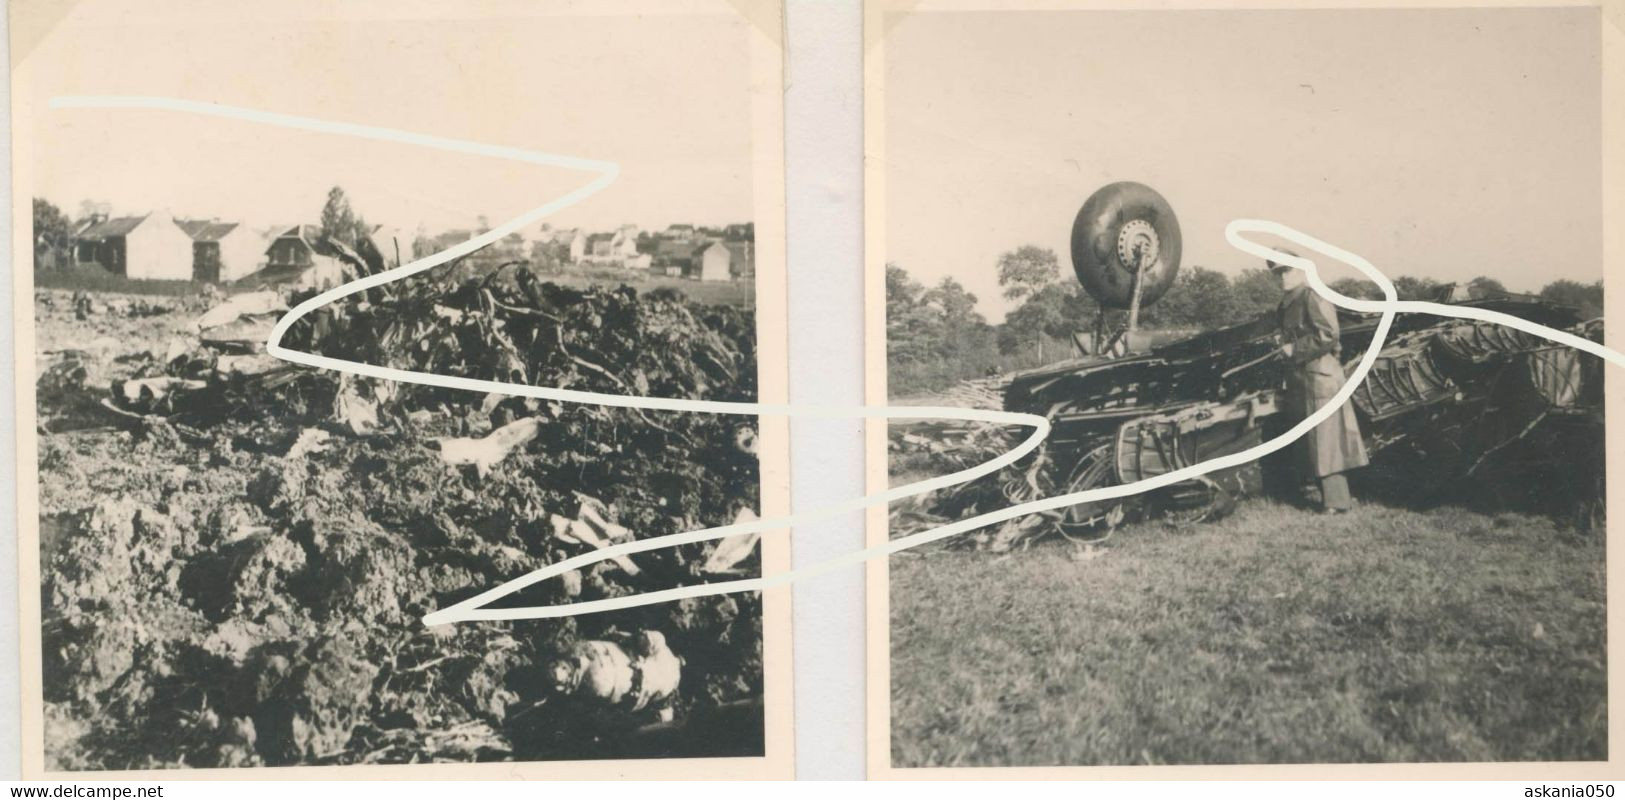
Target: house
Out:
[714,263]
[673,257]
[567,245]
[680,232]
[575,243]
[222,251]
[151,246]
[600,247]
[87,237]
[742,259]
[296,246]
[721,261]
[624,245]
[618,248]
[300,250]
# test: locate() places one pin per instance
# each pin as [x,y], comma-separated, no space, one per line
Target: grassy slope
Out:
[1272,636]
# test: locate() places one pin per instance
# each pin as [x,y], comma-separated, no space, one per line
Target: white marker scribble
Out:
[604,173]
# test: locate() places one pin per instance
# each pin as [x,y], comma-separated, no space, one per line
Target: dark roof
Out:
[118,226]
[204,230]
[671,248]
[600,237]
[309,233]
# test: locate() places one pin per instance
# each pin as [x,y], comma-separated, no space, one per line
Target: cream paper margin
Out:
[33,20]
[879,16]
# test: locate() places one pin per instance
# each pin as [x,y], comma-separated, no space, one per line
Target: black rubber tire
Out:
[1094,244]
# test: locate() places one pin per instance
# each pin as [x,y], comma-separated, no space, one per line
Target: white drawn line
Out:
[473,608]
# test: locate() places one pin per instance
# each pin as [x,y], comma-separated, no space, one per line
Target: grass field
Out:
[1273,636]
[96,279]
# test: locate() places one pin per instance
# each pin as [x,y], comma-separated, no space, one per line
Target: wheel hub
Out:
[1137,245]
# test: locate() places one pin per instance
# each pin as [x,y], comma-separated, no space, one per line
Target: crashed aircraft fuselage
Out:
[1448,404]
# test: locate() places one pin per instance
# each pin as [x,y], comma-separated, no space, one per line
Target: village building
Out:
[624,245]
[222,251]
[721,261]
[295,247]
[299,252]
[742,259]
[600,248]
[574,245]
[714,263]
[673,258]
[618,248]
[557,245]
[151,247]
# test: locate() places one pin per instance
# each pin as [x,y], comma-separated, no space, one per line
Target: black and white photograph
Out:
[1418,579]
[236,552]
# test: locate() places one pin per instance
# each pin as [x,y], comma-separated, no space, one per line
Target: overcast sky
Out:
[663,94]
[1437,143]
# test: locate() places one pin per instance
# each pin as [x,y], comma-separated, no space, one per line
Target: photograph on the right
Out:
[1420,578]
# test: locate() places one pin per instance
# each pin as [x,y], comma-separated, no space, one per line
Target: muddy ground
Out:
[214,597]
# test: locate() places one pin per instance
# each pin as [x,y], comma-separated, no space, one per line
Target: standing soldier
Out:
[1311,344]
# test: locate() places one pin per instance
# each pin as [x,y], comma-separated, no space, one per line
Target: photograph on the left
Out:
[227,554]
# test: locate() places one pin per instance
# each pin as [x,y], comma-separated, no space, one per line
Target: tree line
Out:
[936,337]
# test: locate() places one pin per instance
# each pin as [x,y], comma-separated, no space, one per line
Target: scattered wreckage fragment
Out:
[591,528]
[732,551]
[487,451]
[634,672]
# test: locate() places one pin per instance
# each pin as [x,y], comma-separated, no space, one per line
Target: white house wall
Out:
[242,252]
[158,250]
[714,264]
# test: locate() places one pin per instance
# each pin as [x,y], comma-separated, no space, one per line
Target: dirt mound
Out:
[235,576]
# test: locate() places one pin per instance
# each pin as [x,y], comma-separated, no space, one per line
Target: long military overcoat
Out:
[1314,375]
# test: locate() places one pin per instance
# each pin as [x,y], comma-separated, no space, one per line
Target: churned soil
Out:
[214,596]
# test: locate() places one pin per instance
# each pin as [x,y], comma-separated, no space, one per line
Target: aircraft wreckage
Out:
[1452,410]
